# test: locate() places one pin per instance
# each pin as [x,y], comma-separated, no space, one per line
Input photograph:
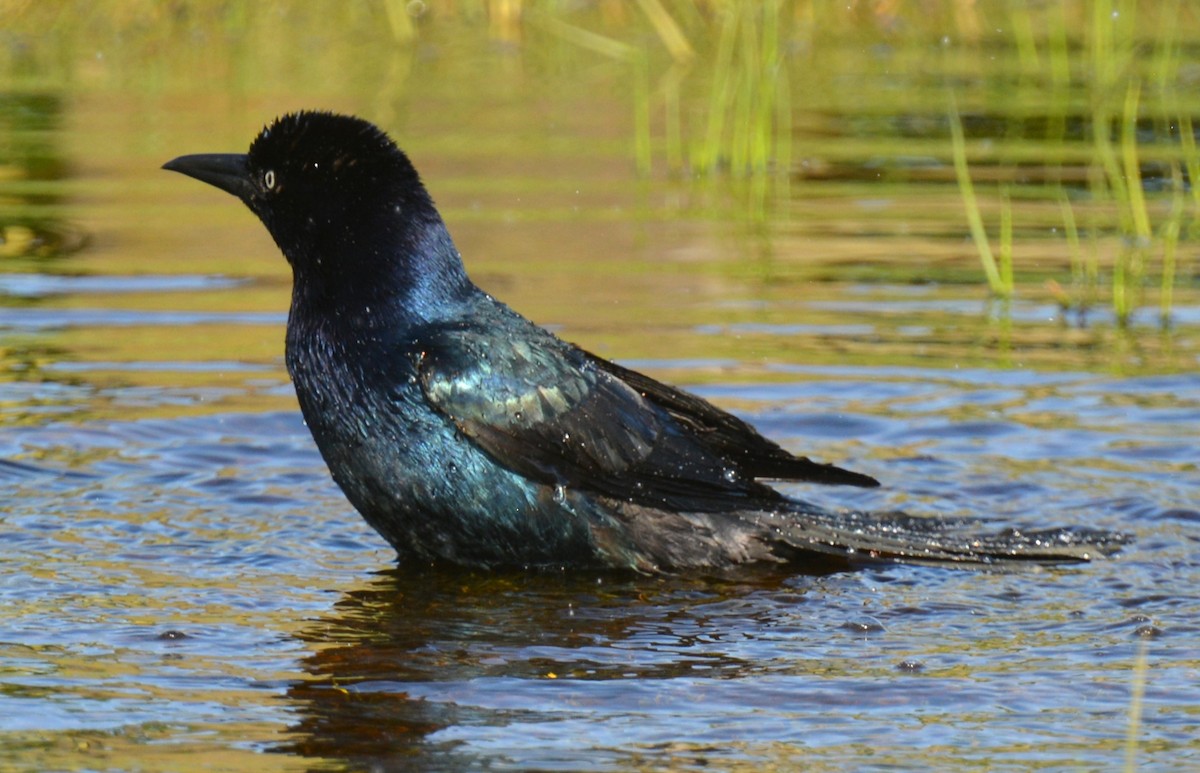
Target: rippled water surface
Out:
[182,586]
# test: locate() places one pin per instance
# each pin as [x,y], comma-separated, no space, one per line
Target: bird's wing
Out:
[558,415]
[728,435]
[549,417]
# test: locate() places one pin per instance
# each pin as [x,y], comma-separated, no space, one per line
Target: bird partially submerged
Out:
[465,433]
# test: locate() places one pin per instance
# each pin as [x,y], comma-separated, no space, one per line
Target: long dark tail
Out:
[897,536]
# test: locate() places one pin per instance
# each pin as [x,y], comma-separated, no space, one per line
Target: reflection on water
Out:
[32,223]
[183,587]
[461,670]
[206,570]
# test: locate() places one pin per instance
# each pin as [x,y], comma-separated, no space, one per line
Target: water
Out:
[182,587]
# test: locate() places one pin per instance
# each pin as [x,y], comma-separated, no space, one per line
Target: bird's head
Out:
[343,203]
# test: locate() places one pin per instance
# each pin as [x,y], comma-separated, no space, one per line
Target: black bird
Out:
[464,433]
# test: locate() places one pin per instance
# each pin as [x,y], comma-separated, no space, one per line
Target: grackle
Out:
[466,434]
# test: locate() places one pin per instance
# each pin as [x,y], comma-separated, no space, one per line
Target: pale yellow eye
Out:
[269,179]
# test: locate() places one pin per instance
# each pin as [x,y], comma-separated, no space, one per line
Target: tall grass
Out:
[1115,235]
[738,94]
[999,273]
[1117,201]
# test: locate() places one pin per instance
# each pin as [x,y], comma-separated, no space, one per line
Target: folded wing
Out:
[559,415]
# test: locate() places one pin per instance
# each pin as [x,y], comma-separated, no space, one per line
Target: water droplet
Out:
[863,624]
[560,493]
[730,475]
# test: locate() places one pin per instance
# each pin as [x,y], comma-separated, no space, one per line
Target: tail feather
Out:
[899,536]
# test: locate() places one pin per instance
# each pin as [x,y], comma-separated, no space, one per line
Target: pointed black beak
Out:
[227,171]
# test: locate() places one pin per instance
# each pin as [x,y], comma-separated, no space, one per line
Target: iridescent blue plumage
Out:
[465,433]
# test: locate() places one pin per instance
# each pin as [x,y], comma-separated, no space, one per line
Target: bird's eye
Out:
[269,179]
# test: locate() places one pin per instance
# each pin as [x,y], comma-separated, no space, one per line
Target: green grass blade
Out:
[970,202]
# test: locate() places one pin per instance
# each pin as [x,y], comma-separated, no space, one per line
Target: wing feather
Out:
[562,416]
